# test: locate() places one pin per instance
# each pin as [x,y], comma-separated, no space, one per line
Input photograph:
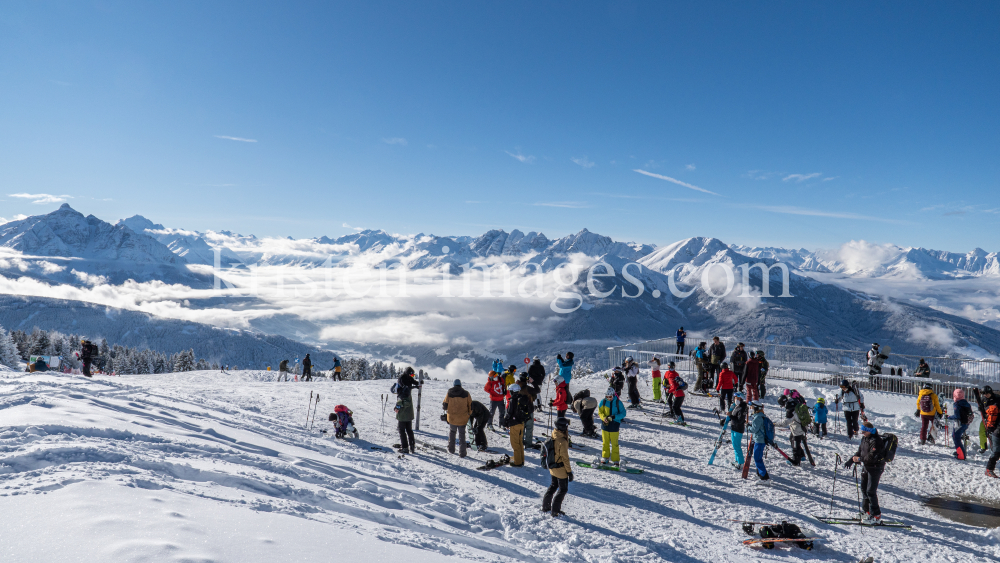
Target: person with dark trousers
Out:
[738,362]
[869,455]
[986,398]
[336,370]
[561,471]
[404,410]
[87,351]
[819,417]
[480,417]
[498,392]
[726,387]
[738,414]
[307,367]
[764,367]
[536,378]
[962,415]
[992,423]
[928,408]
[584,405]
[717,355]
[681,335]
[751,379]
[457,405]
[669,378]
[853,403]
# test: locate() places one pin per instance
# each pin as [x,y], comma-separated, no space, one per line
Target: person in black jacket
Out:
[869,455]
[519,410]
[480,417]
[738,426]
[536,378]
[716,355]
[87,355]
[307,369]
[738,361]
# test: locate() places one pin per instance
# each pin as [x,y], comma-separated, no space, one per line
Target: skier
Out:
[854,404]
[566,368]
[758,429]
[560,403]
[561,471]
[751,379]
[764,367]
[307,369]
[987,398]
[632,377]
[87,351]
[536,374]
[678,393]
[617,380]
[612,412]
[870,456]
[875,360]
[283,370]
[457,405]
[963,416]
[992,424]
[670,377]
[510,376]
[404,410]
[737,426]
[529,424]
[498,391]
[336,370]
[681,335]
[519,411]
[584,405]
[738,360]
[928,408]
[701,361]
[716,355]
[477,422]
[819,417]
[798,423]
[655,365]
[726,386]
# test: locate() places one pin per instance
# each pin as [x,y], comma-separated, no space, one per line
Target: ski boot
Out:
[558,514]
[991,473]
[605,461]
[930,439]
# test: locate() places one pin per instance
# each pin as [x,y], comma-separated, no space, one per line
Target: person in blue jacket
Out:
[819,417]
[962,413]
[612,412]
[566,369]
[760,441]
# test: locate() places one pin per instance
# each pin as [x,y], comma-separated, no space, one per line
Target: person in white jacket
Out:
[853,405]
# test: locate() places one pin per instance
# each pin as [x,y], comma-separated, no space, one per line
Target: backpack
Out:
[549,455]
[926,403]
[969,418]
[681,384]
[802,412]
[769,430]
[785,531]
[889,442]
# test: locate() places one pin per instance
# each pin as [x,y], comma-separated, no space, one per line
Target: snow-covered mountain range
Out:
[922,301]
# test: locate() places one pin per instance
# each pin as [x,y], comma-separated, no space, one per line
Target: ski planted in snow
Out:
[805,444]
[609,467]
[718,442]
[749,459]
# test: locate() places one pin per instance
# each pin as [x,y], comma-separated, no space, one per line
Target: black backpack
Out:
[549,455]
[889,443]
[785,531]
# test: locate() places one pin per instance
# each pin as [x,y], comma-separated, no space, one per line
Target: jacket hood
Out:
[457,392]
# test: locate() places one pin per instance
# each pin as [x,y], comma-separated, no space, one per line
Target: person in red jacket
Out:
[751,377]
[498,392]
[561,402]
[676,393]
[668,377]
[728,380]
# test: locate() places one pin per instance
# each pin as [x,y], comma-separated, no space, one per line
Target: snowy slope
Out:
[208,467]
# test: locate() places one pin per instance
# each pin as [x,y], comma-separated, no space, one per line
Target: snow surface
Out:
[202,466]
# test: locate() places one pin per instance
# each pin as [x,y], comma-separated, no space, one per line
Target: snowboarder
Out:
[612,412]
[928,408]
[655,365]
[870,456]
[457,405]
[751,379]
[738,361]
[764,367]
[566,368]
[560,403]
[716,355]
[519,411]
[681,335]
[536,375]
[87,352]
[963,416]
[737,426]
[617,380]
[404,410]
[336,370]
[631,370]
[498,392]
[819,417]
[561,471]
[584,405]
[854,403]
[477,423]
[307,366]
[759,424]
[728,381]
[678,394]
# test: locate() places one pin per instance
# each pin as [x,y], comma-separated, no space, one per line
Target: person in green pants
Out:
[988,398]
[655,364]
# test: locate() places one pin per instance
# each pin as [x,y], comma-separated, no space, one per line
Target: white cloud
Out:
[17,217]
[689,167]
[936,336]
[798,178]
[830,178]
[584,162]
[674,180]
[792,210]
[240,139]
[527,159]
[394,141]
[564,204]
[43,198]
[346,226]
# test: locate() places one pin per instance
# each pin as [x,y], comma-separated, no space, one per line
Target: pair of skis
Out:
[720,440]
[607,467]
[749,458]
[313,406]
[860,522]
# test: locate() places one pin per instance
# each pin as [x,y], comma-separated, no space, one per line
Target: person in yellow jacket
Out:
[928,408]
[561,471]
[510,376]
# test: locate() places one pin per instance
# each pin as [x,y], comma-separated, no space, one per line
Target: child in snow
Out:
[676,392]
[612,412]
[819,416]
[963,417]
[343,419]
[737,426]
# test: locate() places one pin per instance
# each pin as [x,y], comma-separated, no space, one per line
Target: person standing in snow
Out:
[518,412]
[798,423]
[765,366]
[498,392]
[477,423]
[991,421]
[561,471]
[655,365]
[566,368]
[87,351]
[738,362]
[612,413]
[928,409]
[336,370]
[728,381]
[678,394]
[584,405]
[986,398]
[617,380]
[561,402]
[669,381]
[717,355]
[751,379]
[632,377]
[737,426]
[681,335]
[307,365]
[819,417]
[963,416]
[854,403]
[869,455]
[701,361]
[758,431]
[457,405]
[283,370]
[404,410]
[529,424]
[536,376]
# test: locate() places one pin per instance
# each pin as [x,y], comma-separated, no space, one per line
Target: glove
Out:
[939,415]
[916,413]
[570,477]
[722,423]
[849,463]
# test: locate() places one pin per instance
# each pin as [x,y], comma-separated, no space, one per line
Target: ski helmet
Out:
[629,359]
[725,365]
[927,386]
[875,345]
[821,401]
[671,365]
[756,405]
[845,383]
[515,388]
[760,353]
[610,392]
[562,424]
[987,389]
[740,395]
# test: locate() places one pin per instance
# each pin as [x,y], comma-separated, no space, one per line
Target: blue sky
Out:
[784,123]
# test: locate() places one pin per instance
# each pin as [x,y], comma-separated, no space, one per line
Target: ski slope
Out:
[203,466]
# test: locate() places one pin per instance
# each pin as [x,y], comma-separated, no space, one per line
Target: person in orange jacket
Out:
[728,380]
[498,392]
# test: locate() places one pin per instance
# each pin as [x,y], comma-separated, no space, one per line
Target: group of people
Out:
[741,371]
[284,374]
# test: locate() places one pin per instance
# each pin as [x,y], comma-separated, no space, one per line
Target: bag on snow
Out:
[926,403]
[769,430]
[889,443]
[784,530]
[549,455]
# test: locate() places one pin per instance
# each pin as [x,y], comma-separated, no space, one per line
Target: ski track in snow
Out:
[224,445]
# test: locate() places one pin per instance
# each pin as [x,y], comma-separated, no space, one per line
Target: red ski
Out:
[746,464]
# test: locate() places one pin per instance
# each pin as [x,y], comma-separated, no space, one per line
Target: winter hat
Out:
[958,394]
[562,423]
[515,388]
[987,389]
[671,365]
[610,392]
[725,365]
[786,392]
[536,359]
[569,355]
[457,383]
[927,386]
[845,383]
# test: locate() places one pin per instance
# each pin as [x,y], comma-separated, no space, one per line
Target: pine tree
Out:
[39,343]
[9,356]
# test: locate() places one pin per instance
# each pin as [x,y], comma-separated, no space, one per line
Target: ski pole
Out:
[833,493]
[309,409]
[381,428]
[314,412]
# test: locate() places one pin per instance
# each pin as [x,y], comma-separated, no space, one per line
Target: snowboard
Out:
[494,463]
[767,541]
[609,467]
[718,442]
